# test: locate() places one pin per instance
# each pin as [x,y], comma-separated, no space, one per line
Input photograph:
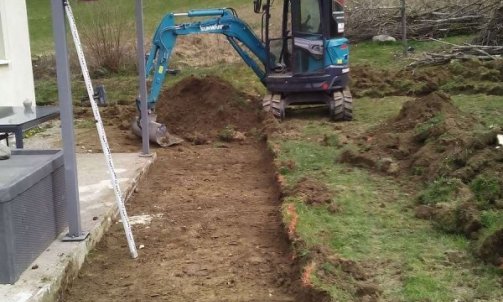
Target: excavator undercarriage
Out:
[339,104]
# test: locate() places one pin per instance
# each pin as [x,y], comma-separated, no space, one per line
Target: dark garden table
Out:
[18,119]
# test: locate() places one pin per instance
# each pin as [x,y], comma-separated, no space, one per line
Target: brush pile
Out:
[460,52]
[424,21]
[492,33]
[487,46]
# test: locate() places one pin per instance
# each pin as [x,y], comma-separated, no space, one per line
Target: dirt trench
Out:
[216,232]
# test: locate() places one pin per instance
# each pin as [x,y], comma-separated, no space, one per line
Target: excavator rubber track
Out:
[340,105]
[275,104]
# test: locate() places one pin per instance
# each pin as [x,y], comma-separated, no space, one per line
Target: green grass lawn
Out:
[41,28]
[408,258]
[486,108]
[39,15]
[123,88]
[389,55]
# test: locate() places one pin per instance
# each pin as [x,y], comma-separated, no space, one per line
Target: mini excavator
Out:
[302,63]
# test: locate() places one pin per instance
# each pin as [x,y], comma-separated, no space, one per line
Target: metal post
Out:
[140,46]
[404,27]
[66,113]
[267,40]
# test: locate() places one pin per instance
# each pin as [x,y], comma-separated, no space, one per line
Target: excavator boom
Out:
[226,22]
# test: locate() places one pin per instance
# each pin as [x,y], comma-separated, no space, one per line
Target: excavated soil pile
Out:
[432,141]
[113,115]
[312,191]
[492,248]
[469,76]
[117,120]
[199,108]
[429,138]
[348,275]
[367,81]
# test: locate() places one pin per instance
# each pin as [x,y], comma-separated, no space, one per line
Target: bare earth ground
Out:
[86,139]
[216,234]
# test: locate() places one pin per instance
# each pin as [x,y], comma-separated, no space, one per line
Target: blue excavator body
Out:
[307,64]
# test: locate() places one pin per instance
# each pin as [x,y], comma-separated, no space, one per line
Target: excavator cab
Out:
[308,58]
[306,27]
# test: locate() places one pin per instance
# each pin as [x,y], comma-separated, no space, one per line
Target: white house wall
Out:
[16,75]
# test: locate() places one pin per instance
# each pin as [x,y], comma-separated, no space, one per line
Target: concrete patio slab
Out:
[62,260]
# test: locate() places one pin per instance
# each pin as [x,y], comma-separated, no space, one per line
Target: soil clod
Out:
[312,191]
[491,249]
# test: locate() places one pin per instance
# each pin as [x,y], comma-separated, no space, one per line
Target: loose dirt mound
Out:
[347,274]
[198,107]
[492,248]
[468,76]
[111,115]
[429,138]
[433,141]
[312,191]
[367,81]
[195,50]
[117,120]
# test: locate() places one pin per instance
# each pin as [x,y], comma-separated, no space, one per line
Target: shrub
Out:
[107,32]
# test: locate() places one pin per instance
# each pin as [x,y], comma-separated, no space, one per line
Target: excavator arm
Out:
[225,22]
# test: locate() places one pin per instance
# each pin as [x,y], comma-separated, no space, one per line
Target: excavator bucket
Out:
[158,133]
